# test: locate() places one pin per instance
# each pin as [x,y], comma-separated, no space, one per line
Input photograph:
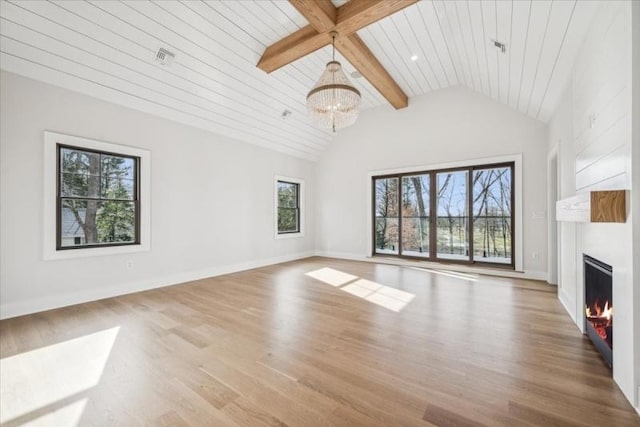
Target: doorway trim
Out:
[553,228]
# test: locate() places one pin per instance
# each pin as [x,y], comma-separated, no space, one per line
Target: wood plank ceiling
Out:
[106,49]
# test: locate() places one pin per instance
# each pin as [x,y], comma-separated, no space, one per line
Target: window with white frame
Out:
[289,202]
[96,198]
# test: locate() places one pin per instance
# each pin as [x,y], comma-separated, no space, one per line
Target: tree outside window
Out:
[288,207]
[98,199]
[461,215]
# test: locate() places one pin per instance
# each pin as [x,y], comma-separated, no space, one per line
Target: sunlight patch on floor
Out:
[68,415]
[448,273]
[376,293]
[34,385]
[332,277]
[384,296]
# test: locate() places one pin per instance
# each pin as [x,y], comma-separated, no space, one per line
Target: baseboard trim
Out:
[529,274]
[49,303]
[567,303]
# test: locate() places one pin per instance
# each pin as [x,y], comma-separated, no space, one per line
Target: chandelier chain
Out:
[333,43]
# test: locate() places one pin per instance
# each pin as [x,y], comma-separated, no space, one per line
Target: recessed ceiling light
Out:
[356,74]
[414,58]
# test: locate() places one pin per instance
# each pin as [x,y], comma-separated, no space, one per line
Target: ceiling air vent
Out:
[286,114]
[164,57]
[499,45]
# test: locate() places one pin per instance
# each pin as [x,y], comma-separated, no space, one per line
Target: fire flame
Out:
[602,313]
[601,319]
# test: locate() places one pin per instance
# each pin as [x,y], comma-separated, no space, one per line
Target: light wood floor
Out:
[275,346]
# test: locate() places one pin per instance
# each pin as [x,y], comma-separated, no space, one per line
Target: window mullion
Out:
[399,208]
[433,215]
[470,213]
[512,215]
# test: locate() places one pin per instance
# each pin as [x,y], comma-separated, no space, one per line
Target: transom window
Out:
[288,207]
[458,215]
[97,198]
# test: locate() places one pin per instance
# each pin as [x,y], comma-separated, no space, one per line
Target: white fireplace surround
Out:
[599,155]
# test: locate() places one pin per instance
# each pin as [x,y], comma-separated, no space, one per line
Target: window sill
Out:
[89,252]
[289,235]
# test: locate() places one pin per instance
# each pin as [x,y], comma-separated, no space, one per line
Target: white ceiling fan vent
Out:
[164,57]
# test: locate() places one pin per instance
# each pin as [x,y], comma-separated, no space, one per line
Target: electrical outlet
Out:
[129,265]
[535,255]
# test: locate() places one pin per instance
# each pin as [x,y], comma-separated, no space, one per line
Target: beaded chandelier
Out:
[333,102]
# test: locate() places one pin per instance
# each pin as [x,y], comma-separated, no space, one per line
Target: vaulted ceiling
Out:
[107,49]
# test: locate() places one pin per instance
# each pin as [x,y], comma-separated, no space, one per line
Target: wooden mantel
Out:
[594,206]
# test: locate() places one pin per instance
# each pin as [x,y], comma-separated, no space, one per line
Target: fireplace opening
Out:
[598,292]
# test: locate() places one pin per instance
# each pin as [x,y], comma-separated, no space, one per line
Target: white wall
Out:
[596,154]
[561,139]
[635,185]
[212,208]
[444,126]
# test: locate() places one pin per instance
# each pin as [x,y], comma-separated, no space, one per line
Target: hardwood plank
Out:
[245,414]
[440,416]
[274,346]
[214,392]
[359,55]
[170,419]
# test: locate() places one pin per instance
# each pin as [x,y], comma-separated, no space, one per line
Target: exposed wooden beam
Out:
[323,18]
[301,43]
[321,14]
[357,14]
[358,54]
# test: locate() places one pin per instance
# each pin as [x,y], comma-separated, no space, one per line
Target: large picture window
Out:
[455,215]
[97,198]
